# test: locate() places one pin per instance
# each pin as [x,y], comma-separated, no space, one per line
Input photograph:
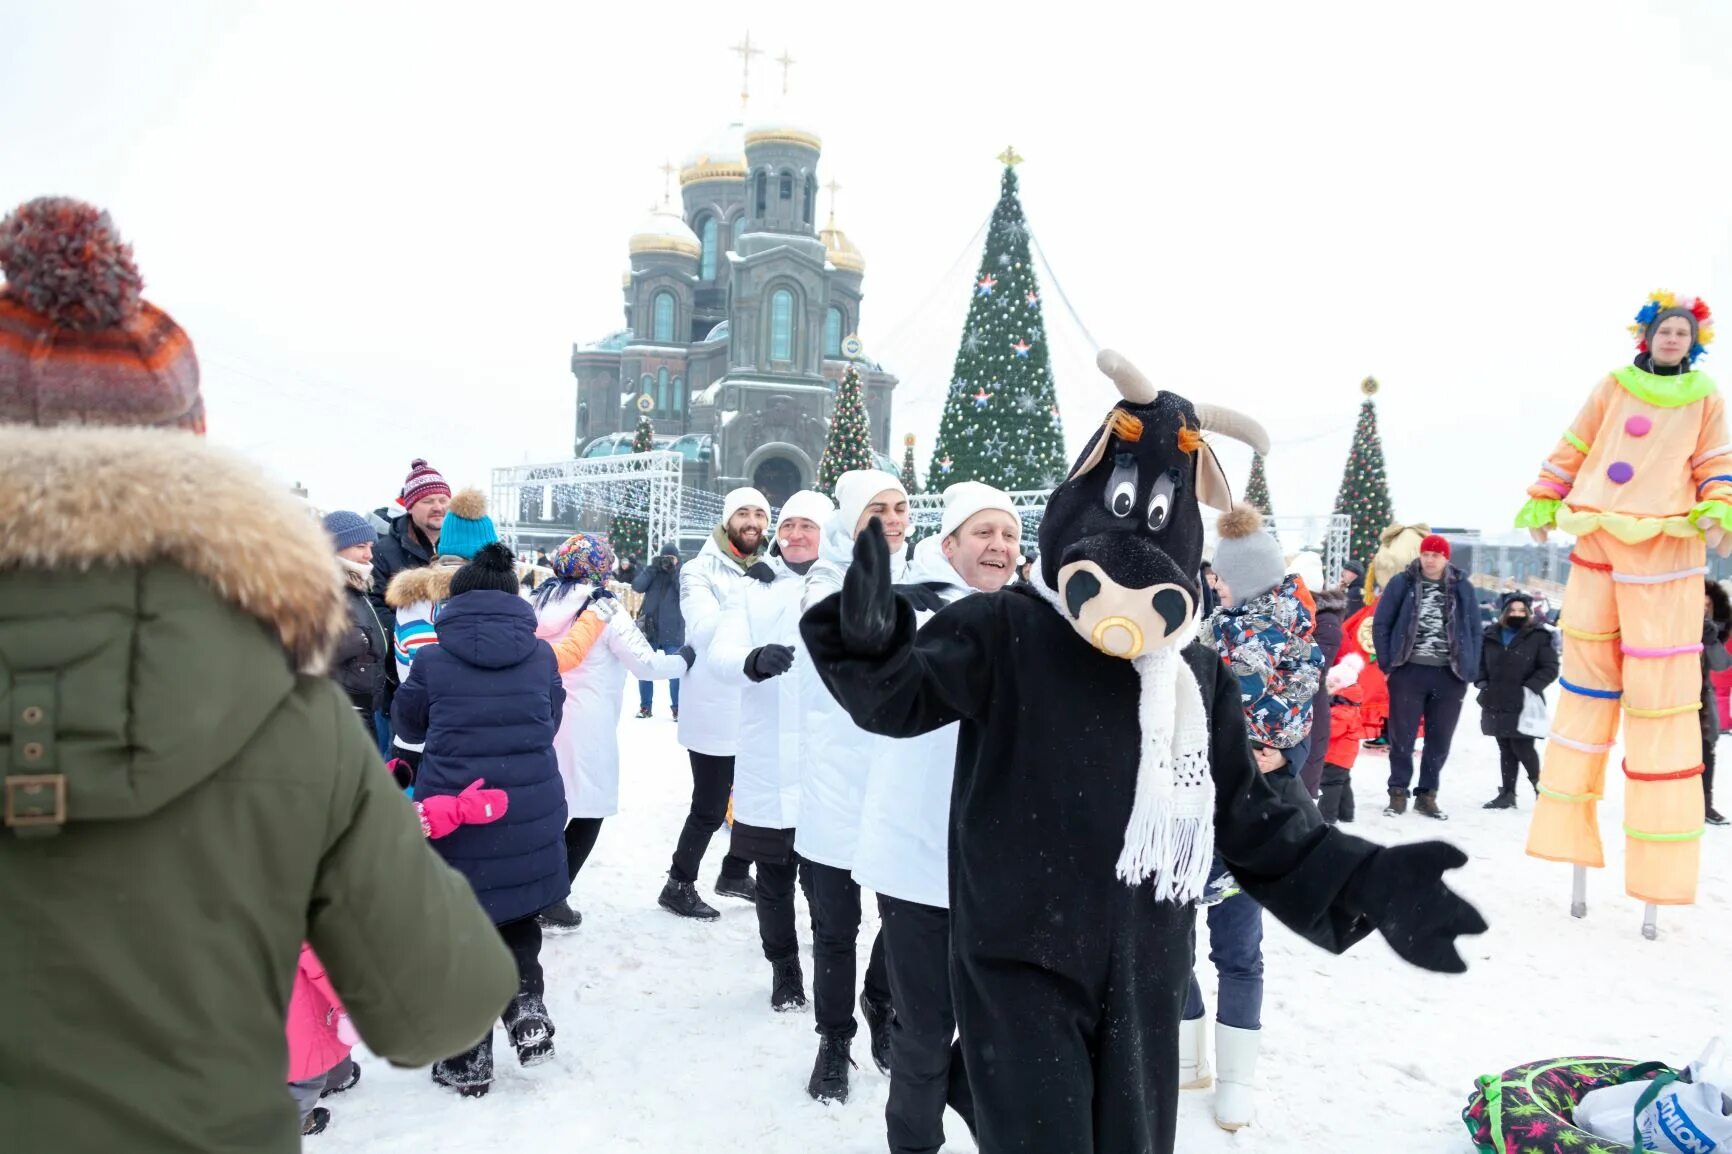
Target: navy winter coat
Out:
[487,701]
[1395,625]
[660,617]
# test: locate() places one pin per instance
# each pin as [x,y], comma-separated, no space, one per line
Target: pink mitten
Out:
[346,1031]
[439,815]
[481,806]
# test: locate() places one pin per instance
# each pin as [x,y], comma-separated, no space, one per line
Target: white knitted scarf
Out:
[1171,835]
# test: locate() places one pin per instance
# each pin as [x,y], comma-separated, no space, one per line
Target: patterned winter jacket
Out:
[1267,644]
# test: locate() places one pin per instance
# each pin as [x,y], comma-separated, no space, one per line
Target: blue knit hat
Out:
[349,529]
[467,526]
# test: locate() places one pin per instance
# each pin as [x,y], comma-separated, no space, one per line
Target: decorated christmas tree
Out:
[1001,422]
[629,535]
[849,444]
[910,479]
[1257,488]
[1364,494]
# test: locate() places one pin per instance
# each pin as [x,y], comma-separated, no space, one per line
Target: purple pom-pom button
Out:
[1638,426]
[1620,472]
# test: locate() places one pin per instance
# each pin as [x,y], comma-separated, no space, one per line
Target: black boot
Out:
[560,917]
[347,1082]
[682,898]
[1425,802]
[1397,803]
[878,1015]
[742,887]
[316,1121]
[787,985]
[1505,799]
[829,1081]
[469,1073]
[530,1028]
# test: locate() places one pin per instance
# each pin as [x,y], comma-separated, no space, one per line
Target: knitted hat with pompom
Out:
[467,526]
[78,345]
[1248,560]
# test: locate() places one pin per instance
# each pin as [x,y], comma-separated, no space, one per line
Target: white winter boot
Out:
[1194,1055]
[1236,1055]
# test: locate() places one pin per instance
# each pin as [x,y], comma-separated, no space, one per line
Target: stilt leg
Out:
[1650,921]
[1579,892]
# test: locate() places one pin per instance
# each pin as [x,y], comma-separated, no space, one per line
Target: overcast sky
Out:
[385,224]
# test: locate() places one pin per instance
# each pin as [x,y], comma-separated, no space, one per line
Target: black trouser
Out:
[475,1065]
[1708,748]
[1336,804]
[1422,692]
[926,1067]
[776,909]
[835,928]
[580,835]
[1517,753]
[712,779]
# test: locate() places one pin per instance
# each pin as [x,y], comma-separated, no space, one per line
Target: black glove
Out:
[868,599]
[762,572]
[691,656]
[1401,889]
[769,661]
[925,596]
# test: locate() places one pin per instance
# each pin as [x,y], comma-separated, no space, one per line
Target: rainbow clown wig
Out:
[1662,304]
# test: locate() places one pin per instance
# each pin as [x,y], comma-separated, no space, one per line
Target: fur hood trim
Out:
[85,498]
[429,583]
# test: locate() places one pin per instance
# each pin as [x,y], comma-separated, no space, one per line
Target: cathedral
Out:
[740,317]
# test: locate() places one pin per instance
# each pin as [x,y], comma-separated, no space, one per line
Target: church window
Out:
[762,193]
[679,396]
[708,233]
[787,189]
[663,401]
[782,326]
[811,194]
[832,331]
[663,332]
[739,227]
[649,386]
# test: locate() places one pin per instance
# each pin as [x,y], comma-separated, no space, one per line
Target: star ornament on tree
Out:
[945,465]
[1033,300]
[981,398]
[986,284]
[1021,348]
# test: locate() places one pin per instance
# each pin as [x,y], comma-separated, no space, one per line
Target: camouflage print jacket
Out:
[1267,644]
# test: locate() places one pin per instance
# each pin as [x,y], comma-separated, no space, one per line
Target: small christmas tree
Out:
[1001,422]
[910,479]
[629,534]
[849,444]
[1364,494]
[1257,488]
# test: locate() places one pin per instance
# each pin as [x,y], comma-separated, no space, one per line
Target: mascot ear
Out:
[1213,488]
[1092,454]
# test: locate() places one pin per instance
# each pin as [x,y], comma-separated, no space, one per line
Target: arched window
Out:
[663,310]
[649,385]
[679,396]
[787,190]
[782,325]
[762,194]
[663,404]
[832,331]
[811,195]
[708,233]
[739,227]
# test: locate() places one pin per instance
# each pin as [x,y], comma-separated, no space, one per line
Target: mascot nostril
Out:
[1173,608]
[1078,590]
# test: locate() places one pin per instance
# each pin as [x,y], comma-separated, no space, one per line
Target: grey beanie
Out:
[1247,558]
[347,529]
[1667,314]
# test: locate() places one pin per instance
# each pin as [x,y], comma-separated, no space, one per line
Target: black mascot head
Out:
[1122,539]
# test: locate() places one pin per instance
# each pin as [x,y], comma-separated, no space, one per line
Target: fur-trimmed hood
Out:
[428,583]
[118,498]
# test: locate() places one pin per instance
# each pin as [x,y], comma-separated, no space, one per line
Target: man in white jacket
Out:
[832,788]
[757,648]
[903,852]
[732,558]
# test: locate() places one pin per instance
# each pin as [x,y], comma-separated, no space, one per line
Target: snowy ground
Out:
[666,1041]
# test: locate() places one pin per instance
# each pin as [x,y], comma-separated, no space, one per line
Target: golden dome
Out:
[666,231]
[784,134]
[724,158]
[839,250]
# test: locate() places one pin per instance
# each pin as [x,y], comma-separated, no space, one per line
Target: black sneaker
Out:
[676,713]
[643,713]
[530,1028]
[743,888]
[1397,803]
[560,918]
[316,1121]
[787,985]
[1505,799]
[1714,817]
[829,1082]
[352,1076]
[878,1018]
[682,898]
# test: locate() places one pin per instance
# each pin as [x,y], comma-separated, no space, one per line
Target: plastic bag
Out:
[1534,721]
[1689,1114]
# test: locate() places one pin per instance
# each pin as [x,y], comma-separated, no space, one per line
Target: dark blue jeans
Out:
[1236,948]
[1428,693]
[646,690]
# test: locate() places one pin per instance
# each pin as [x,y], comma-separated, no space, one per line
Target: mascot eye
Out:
[1161,500]
[1122,486]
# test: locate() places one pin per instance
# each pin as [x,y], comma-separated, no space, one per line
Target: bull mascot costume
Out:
[1642,478]
[1102,762]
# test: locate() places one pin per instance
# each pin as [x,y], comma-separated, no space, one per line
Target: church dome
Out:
[839,250]
[666,231]
[784,125]
[723,158]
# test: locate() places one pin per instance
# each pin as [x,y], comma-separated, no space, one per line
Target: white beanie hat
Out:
[966,498]
[745,497]
[807,503]
[855,490]
[1309,565]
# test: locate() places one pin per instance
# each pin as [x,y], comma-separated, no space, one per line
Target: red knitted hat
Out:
[424,481]
[1434,544]
[78,346]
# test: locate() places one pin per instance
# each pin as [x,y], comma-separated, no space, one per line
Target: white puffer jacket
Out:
[836,751]
[773,712]
[904,847]
[587,743]
[709,707]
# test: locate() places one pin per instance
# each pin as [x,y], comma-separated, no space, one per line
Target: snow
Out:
[666,1041]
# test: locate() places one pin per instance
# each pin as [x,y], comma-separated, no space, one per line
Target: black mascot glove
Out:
[769,661]
[923,595]
[1401,889]
[868,598]
[762,572]
[691,656]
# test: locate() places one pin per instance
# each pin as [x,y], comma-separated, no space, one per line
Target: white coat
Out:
[904,846]
[772,713]
[836,751]
[709,706]
[587,744]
